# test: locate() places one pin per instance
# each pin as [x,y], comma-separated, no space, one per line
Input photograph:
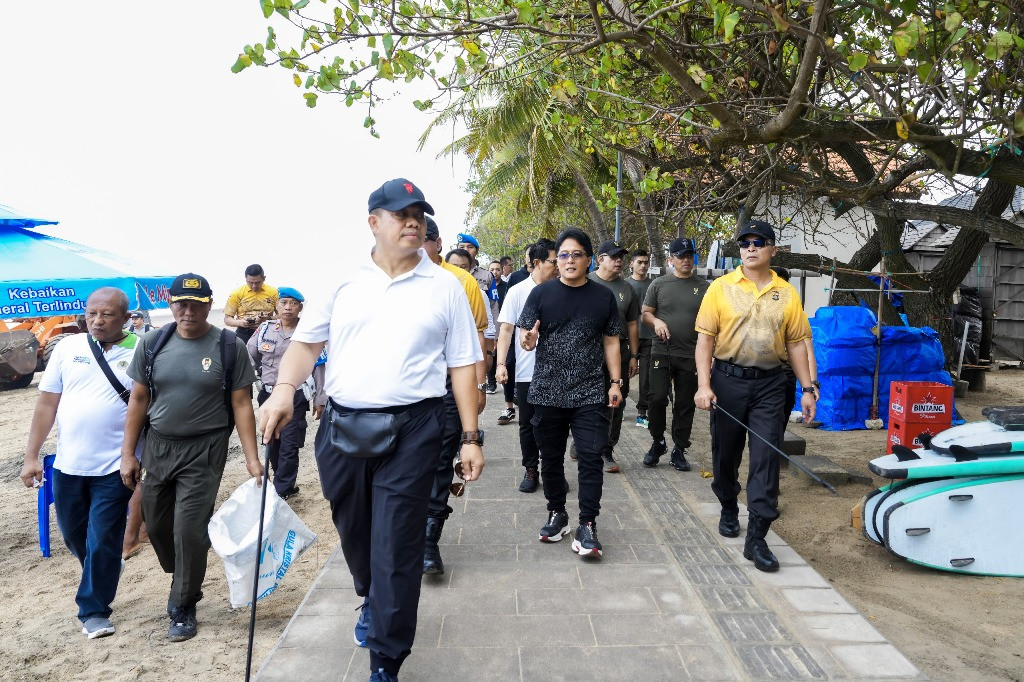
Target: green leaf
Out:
[904,42]
[526,12]
[389,43]
[924,71]
[1018,123]
[299,4]
[953,21]
[268,8]
[857,61]
[310,99]
[971,69]
[242,62]
[729,25]
[959,35]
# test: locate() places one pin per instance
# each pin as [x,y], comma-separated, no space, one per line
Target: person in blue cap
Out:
[266,348]
[489,288]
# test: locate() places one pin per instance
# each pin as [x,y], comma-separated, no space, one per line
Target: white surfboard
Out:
[878,501]
[980,437]
[930,464]
[965,526]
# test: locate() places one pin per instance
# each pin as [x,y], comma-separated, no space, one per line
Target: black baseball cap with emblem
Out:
[394,195]
[432,231]
[610,248]
[191,287]
[682,246]
[758,227]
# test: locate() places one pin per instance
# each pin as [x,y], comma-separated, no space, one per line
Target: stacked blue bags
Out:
[844,347]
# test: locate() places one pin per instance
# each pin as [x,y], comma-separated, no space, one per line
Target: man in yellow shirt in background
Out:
[451,435]
[750,322]
[250,305]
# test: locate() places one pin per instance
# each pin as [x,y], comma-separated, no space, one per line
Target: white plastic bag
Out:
[233,533]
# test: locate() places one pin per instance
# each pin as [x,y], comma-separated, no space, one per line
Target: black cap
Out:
[191,287]
[682,246]
[137,315]
[610,248]
[758,227]
[432,231]
[394,195]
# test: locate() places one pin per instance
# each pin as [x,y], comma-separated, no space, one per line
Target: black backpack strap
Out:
[97,352]
[161,340]
[227,361]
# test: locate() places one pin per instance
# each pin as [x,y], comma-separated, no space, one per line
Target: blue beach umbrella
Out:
[42,276]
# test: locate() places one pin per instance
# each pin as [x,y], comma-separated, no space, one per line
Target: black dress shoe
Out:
[755,548]
[729,523]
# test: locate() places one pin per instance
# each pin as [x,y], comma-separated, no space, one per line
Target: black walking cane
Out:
[814,477]
[259,554]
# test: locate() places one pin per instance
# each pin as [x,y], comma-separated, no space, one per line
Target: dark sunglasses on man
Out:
[759,243]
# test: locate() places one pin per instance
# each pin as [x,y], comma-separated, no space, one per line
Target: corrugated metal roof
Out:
[928,235]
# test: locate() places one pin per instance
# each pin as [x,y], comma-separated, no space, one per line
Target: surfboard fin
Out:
[917,531]
[990,450]
[961,498]
[960,563]
[904,454]
[926,440]
[962,454]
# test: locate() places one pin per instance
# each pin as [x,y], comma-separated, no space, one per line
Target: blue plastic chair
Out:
[45,499]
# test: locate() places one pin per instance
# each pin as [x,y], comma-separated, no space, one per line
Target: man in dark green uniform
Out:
[186,441]
[670,308]
[639,262]
[610,258]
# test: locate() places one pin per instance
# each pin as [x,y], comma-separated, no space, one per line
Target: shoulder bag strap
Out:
[97,352]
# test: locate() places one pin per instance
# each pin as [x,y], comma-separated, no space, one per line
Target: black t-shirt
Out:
[569,366]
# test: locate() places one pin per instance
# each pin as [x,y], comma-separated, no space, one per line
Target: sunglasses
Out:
[757,243]
[459,488]
[574,255]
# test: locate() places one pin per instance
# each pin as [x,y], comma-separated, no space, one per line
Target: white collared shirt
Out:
[391,341]
[90,416]
[515,299]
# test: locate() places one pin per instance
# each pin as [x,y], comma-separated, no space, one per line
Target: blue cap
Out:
[288,292]
[467,238]
[394,195]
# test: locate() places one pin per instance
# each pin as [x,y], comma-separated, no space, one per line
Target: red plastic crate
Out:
[902,433]
[915,402]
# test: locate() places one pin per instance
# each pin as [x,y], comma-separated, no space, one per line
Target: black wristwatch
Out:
[473,437]
[482,387]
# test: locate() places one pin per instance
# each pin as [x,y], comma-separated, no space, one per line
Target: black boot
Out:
[432,564]
[755,548]
[729,522]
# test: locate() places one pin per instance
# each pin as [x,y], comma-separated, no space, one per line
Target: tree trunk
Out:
[634,169]
[936,309]
[590,204]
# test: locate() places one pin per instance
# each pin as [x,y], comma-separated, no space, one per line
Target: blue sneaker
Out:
[362,625]
[383,676]
[643,422]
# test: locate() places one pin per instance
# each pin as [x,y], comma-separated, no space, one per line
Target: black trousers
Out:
[182,479]
[527,439]
[284,451]
[665,373]
[244,333]
[758,404]
[379,506]
[589,426]
[451,441]
[643,400]
[789,403]
[510,365]
[620,409]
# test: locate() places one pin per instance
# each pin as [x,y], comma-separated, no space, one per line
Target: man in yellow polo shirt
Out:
[251,305]
[451,435]
[750,322]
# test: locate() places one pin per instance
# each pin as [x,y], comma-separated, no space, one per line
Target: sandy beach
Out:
[953,627]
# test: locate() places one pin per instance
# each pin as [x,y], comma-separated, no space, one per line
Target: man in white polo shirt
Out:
[545,268]
[89,498]
[396,324]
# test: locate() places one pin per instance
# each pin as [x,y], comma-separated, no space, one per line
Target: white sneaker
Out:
[97,627]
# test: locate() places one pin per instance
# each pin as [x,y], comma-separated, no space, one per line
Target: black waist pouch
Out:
[359,434]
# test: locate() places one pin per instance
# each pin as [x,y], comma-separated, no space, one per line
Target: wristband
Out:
[285,383]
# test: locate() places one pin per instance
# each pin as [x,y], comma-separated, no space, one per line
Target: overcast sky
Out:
[124,122]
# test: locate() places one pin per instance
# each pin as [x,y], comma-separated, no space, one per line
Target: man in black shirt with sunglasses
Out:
[574,325]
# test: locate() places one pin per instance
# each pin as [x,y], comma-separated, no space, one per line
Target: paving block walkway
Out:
[670,600]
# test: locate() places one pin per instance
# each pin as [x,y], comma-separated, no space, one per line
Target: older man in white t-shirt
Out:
[89,498]
[397,325]
[545,267]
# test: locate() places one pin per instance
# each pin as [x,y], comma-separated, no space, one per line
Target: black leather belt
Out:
[745,372]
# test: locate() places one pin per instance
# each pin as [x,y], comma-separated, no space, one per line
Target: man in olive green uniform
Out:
[610,258]
[670,308]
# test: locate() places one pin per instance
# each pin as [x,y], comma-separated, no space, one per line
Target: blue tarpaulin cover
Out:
[844,348]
